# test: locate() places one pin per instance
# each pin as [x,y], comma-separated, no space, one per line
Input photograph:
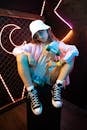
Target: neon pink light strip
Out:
[7,88]
[60,16]
[42,9]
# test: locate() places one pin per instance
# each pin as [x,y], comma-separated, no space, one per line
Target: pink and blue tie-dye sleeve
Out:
[21,49]
[69,51]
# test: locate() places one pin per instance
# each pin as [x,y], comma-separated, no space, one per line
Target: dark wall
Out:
[31,6]
[76,13]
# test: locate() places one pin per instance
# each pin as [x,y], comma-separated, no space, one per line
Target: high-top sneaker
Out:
[36,106]
[56,95]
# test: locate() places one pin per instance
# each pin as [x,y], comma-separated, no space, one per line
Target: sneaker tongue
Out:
[30,88]
[59,84]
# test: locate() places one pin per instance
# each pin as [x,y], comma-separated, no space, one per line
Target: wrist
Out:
[60,62]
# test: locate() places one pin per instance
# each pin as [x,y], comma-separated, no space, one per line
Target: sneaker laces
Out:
[34,99]
[57,92]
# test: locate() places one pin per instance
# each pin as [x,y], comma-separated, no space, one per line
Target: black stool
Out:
[50,117]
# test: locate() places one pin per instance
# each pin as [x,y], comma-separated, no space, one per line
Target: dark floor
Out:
[72,118]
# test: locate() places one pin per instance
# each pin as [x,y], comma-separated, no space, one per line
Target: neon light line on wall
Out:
[43,6]
[2,80]
[60,17]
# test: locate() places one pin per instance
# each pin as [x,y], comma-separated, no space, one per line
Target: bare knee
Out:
[22,58]
[65,70]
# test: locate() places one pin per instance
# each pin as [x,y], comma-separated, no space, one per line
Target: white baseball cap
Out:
[37,25]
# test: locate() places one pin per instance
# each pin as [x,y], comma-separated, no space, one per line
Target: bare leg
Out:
[57,87]
[65,70]
[24,72]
